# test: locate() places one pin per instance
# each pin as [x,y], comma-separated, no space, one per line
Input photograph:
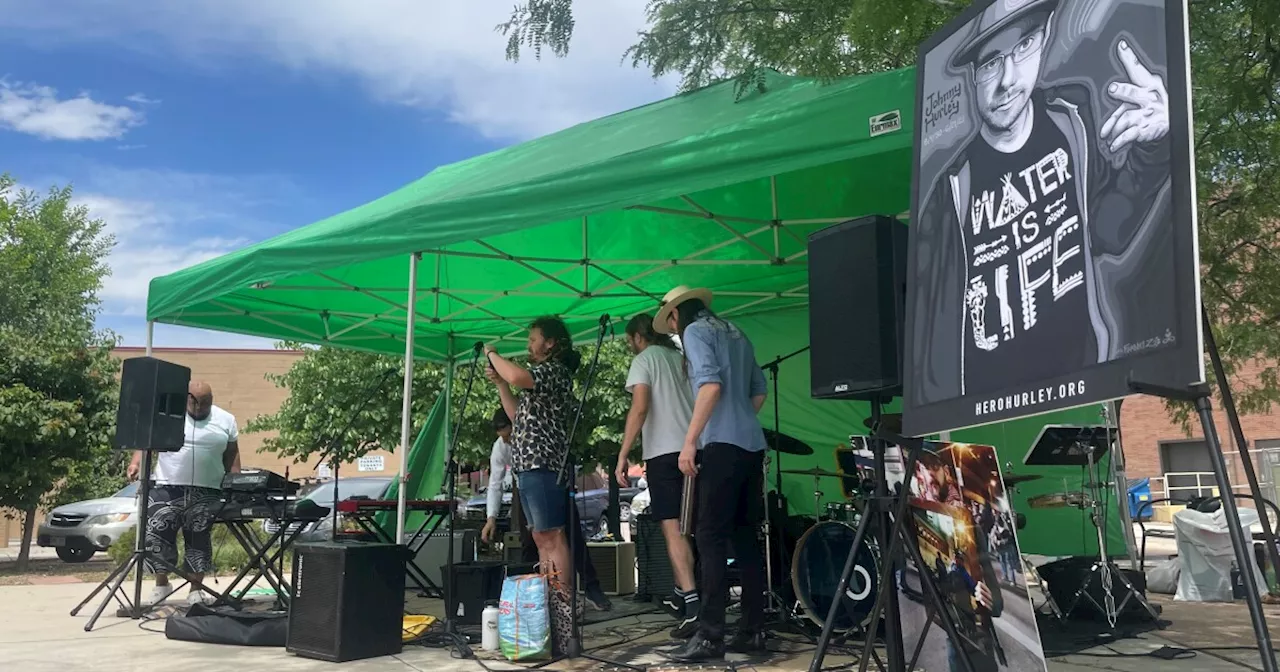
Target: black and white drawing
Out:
[1053,250]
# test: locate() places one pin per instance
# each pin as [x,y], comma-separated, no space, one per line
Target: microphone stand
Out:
[575,627]
[460,644]
[776,602]
[333,447]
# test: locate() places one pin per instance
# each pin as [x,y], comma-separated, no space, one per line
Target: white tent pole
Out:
[151,332]
[406,418]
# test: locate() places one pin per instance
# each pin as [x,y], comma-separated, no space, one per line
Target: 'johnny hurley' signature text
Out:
[941,106]
[1036,397]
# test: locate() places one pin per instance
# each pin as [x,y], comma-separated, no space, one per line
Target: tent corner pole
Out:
[406,417]
[151,333]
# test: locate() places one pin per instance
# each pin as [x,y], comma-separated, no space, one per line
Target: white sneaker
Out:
[197,597]
[160,593]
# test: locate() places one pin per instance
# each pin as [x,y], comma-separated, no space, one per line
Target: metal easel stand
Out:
[1201,396]
[576,650]
[141,558]
[890,513]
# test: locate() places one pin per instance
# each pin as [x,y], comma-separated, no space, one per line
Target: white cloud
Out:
[430,55]
[142,99]
[37,110]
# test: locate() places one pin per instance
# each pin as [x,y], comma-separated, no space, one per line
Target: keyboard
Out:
[303,510]
[357,505]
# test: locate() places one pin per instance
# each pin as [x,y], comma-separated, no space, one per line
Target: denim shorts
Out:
[543,499]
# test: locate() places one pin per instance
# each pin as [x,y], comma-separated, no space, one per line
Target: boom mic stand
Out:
[336,439]
[890,514]
[460,644]
[774,601]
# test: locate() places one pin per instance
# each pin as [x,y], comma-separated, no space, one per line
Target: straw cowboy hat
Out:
[994,19]
[673,299]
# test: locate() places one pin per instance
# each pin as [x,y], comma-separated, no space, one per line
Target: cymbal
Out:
[816,472]
[890,422]
[786,444]
[1014,479]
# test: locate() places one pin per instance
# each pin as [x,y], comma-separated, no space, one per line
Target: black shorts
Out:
[666,485]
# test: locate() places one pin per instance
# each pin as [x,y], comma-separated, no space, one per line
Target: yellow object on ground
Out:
[415,625]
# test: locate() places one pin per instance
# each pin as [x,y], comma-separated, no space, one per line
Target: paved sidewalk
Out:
[10,554]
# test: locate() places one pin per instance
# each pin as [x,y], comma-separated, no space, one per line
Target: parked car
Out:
[78,531]
[592,505]
[371,487]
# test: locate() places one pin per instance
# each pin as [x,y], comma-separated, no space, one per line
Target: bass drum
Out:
[815,572]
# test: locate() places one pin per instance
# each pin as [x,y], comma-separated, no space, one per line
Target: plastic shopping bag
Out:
[524,625]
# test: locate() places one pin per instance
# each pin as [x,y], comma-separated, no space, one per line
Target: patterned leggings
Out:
[188,508]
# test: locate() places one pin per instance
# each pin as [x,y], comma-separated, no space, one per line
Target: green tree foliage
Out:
[58,390]
[328,385]
[1235,52]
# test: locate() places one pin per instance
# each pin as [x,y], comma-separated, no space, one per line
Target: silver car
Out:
[77,531]
[370,487]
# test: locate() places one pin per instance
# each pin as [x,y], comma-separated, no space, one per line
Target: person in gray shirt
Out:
[724,449]
[661,408]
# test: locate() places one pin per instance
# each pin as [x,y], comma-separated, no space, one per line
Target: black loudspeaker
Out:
[153,405]
[1065,578]
[475,583]
[348,601]
[857,294]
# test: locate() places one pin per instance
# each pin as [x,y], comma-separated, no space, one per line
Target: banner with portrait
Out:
[965,530]
[1053,251]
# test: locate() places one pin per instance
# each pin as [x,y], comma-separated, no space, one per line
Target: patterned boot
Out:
[561,623]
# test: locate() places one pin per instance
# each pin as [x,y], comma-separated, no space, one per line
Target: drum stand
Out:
[890,513]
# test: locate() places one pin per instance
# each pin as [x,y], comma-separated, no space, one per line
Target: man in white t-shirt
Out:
[187,491]
[661,408]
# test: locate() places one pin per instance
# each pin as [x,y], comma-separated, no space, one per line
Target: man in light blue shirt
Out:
[729,389]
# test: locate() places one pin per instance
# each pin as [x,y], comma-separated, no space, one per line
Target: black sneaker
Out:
[597,599]
[698,649]
[746,641]
[689,621]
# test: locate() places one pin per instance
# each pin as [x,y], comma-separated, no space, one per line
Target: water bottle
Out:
[489,626]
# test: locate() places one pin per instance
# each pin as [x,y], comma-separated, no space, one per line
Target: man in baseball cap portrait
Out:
[1030,226]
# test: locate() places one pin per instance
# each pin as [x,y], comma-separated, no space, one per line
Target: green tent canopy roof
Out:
[705,188]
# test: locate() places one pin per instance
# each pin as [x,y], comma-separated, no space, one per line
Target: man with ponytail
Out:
[661,408]
[724,448]
[540,447]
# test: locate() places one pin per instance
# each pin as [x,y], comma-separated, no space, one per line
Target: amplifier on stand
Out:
[475,583]
[615,564]
[348,601]
[434,553]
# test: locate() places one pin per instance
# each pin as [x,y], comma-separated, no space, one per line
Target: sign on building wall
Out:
[370,463]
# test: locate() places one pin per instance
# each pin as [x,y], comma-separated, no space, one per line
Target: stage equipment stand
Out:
[569,477]
[774,603]
[1201,396]
[460,644]
[889,512]
[139,560]
[336,440]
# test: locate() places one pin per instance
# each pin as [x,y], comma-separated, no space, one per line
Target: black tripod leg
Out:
[934,596]
[103,584]
[119,579]
[829,623]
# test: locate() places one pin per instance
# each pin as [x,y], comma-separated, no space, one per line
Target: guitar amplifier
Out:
[475,583]
[433,556]
[348,601]
[652,565]
[615,564]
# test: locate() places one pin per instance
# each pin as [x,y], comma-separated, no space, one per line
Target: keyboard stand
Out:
[430,523]
[266,567]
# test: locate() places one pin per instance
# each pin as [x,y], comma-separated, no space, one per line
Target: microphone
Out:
[390,371]
[604,319]
[479,347]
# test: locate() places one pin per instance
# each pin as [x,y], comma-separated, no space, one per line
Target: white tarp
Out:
[1206,555]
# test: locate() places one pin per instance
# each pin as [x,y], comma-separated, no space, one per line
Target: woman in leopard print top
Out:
[540,435]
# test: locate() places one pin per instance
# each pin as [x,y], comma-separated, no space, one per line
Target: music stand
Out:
[1083,446]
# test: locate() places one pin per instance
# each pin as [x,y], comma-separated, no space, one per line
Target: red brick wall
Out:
[1144,423]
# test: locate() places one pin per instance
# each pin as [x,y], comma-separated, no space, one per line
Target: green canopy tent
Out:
[709,188]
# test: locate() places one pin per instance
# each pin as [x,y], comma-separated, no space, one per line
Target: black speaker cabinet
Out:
[1065,578]
[652,565]
[857,294]
[348,601]
[153,405]
[475,584]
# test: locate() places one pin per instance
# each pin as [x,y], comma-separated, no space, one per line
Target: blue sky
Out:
[198,127]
